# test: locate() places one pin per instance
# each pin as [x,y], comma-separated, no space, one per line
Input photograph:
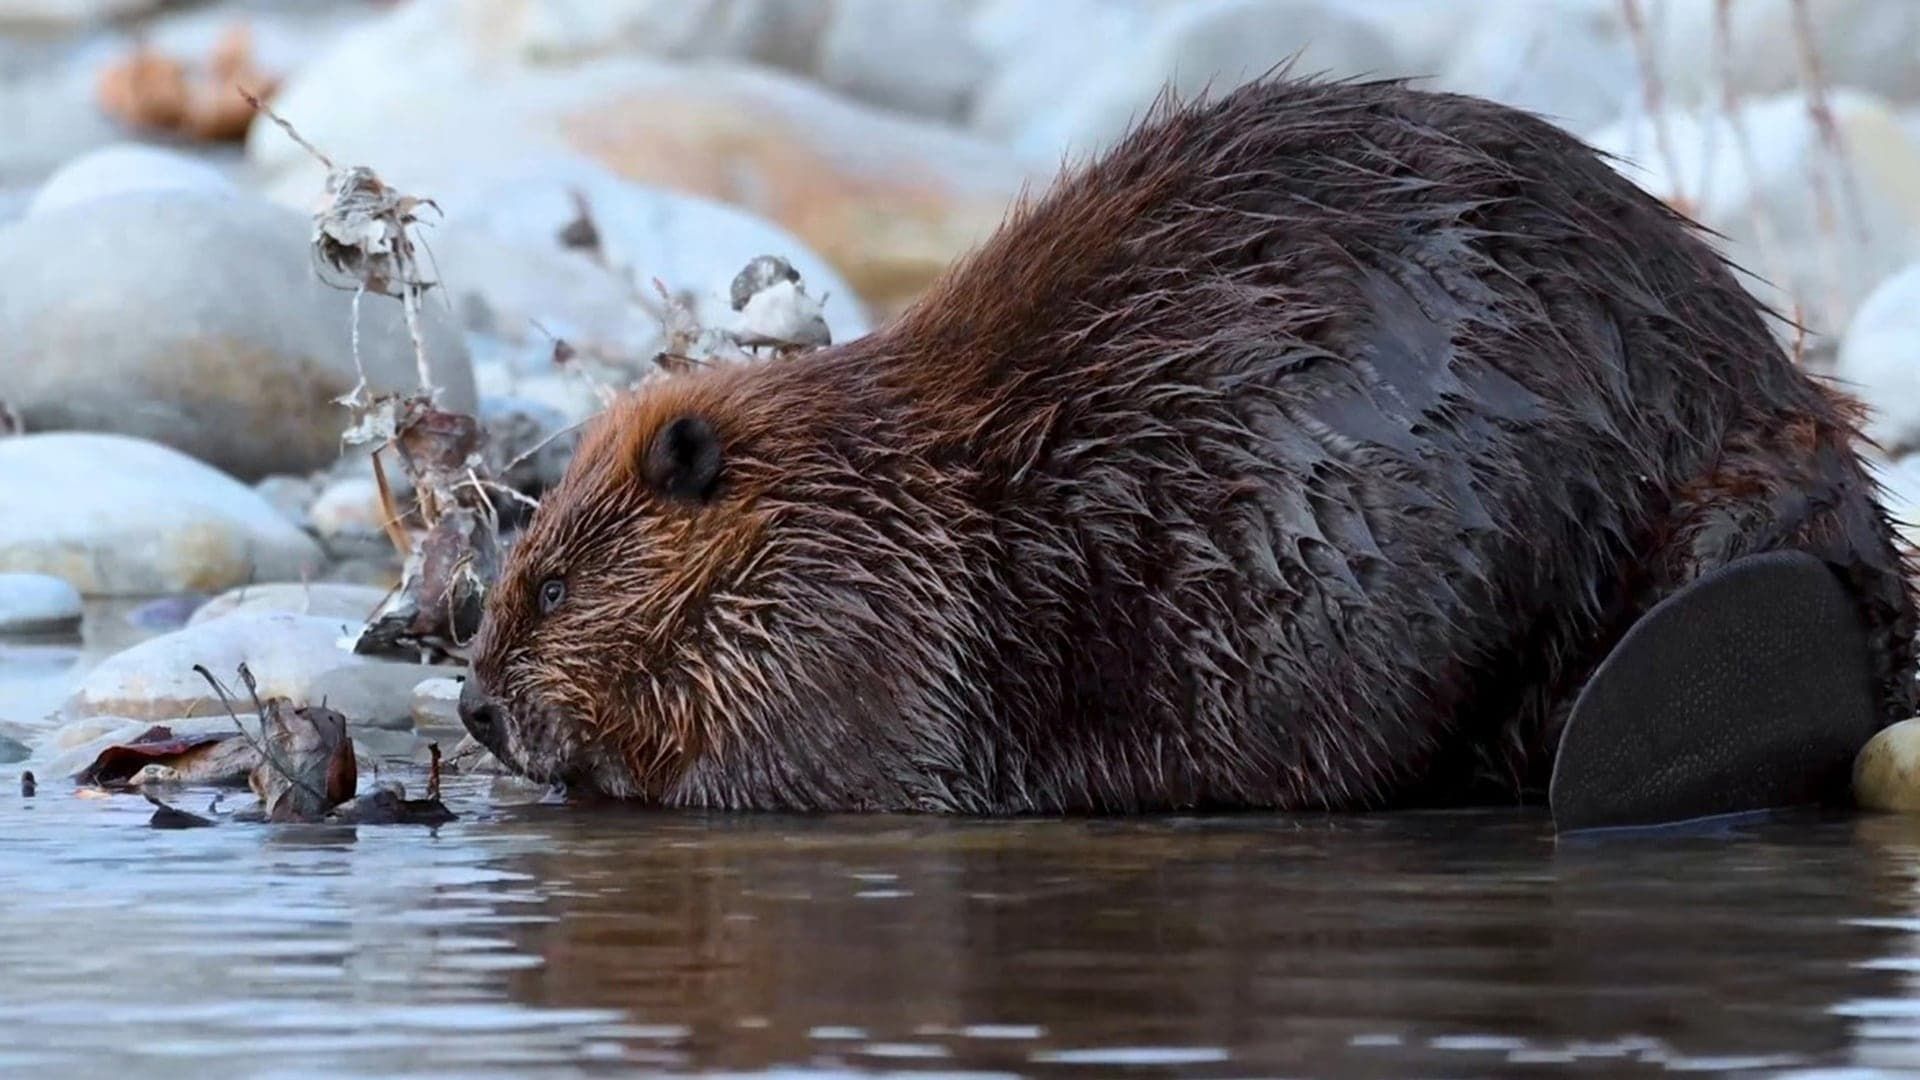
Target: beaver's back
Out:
[1334,429]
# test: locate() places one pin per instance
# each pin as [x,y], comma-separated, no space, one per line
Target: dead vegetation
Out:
[151,91]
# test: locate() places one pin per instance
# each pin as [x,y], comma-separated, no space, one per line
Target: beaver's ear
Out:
[683,460]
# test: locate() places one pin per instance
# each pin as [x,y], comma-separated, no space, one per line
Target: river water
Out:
[547,939]
[557,940]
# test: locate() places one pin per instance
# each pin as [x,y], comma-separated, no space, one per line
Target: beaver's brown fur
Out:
[1308,450]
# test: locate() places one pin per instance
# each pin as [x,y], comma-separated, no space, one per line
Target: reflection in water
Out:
[567,940]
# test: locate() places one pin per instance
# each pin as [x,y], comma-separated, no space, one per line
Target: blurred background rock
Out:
[152,232]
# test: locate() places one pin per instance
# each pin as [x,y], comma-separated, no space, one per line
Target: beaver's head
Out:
[732,578]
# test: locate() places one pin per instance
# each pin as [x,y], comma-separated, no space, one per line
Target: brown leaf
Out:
[303,776]
[158,745]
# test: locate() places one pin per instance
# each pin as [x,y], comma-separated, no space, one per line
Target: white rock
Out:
[303,658]
[47,115]
[782,33]
[37,604]
[1886,775]
[1571,62]
[75,13]
[689,244]
[889,200]
[291,495]
[122,168]
[348,509]
[1190,47]
[197,322]
[1041,53]
[122,517]
[329,600]
[1880,361]
[915,57]
[1870,44]
[1772,212]
[436,707]
[528,446]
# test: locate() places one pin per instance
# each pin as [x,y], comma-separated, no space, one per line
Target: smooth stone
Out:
[914,57]
[13,751]
[500,243]
[1879,361]
[198,321]
[37,604]
[166,612]
[889,200]
[291,495]
[374,695]
[436,707]
[348,512]
[303,658]
[117,516]
[328,600]
[528,444]
[70,14]
[1571,62]
[123,168]
[1886,775]
[1819,268]
[1191,47]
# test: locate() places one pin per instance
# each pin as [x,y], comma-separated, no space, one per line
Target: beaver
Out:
[1309,449]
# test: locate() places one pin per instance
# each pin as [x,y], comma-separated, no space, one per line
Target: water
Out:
[533,940]
[555,940]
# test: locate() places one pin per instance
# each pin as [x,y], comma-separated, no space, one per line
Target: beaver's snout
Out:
[485,720]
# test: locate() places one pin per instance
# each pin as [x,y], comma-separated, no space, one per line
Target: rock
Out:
[348,515]
[47,114]
[1867,44]
[528,442]
[1878,361]
[123,168]
[290,495]
[915,57]
[38,604]
[12,750]
[1191,47]
[166,612]
[889,201]
[303,658]
[1772,215]
[436,708]
[197,321]
[351,603]
[501,244]
[1040,54]
[1571,62]
[70,13]
[122,517]
[1886,775]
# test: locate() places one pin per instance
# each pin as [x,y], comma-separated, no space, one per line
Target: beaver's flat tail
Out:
[1752,688]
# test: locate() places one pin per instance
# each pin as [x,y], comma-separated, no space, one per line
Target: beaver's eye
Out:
[552,591]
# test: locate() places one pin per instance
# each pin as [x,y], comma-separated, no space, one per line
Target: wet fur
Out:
[1309,449]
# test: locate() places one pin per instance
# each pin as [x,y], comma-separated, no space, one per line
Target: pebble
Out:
[70,14]
[1826,269]
[436,709]
[528,444]
[328,600]
[38,604]
[1886,775]
[116,516]
[198,321]
[13,751]
[690,244]
[291,495]
[348,517]
[303,658]
[1880,360]
[121,168]
[1191,47]
[887,199]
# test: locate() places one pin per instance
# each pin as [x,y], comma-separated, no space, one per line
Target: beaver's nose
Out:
[483,717]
